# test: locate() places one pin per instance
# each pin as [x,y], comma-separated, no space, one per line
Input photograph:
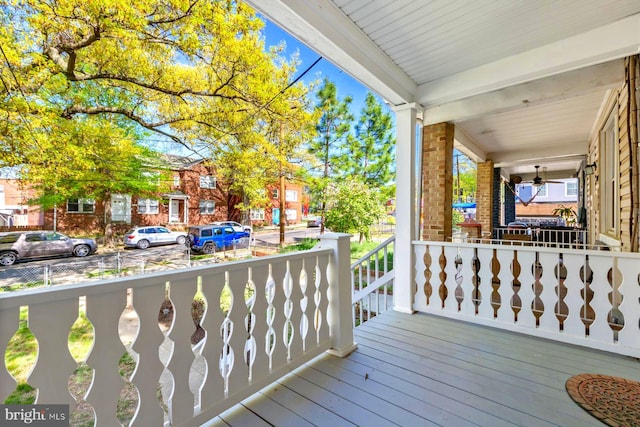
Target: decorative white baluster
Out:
[505,312]
[575,286]
[250,349]
[420,270]
[485,256]
[295,270]
[600,329]
[321,300]
[279,355]
[9,322]
[270,336]
[303,283]
[288,331]
[629,336]
[549,282]
[181,399]
[450,269]
[260,368]
[239,378]
[467,307]
[147,301]
[527,261]
[213,388]
[104,311]
[50,323]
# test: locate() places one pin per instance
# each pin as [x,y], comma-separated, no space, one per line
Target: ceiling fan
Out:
[537,180]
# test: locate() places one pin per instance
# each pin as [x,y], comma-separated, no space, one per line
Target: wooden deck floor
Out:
[421,370]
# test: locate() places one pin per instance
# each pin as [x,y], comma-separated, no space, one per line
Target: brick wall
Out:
[437,181]
[484,196]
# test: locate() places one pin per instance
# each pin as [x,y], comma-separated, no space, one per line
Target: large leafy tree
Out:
[354,207]
[82,79]
[334,124]
[369,154]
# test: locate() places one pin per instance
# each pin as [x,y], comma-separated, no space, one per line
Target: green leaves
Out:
[87,84]
[354,207]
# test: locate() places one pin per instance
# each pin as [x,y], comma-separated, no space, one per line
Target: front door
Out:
[276,216]
[174,210]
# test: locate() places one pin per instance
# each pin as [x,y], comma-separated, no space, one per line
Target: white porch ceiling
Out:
[523,80]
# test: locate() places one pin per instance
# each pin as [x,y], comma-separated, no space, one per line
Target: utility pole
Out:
[282,189]
[458,192]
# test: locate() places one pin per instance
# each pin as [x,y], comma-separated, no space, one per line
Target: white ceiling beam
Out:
[609,42]
[559,153]
[563,86]
[324,28]
[468,146]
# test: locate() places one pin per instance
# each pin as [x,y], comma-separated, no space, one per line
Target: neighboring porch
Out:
[420,370]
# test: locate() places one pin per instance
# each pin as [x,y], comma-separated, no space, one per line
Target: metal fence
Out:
[117,264]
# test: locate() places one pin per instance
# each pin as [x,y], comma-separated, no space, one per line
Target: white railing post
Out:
[339,293]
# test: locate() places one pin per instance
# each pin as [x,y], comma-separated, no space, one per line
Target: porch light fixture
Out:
[590,169]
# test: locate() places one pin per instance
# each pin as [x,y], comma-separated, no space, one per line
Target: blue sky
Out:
[345,84]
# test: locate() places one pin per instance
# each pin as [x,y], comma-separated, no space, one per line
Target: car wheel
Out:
[82,250]
[209,249]
[143,244]
[181,240]
[8,258]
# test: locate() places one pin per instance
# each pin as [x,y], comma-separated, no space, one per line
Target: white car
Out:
[236,226]
[143,237]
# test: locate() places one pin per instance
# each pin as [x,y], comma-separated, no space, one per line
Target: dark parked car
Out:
[208,238]
[23,245]
[143,237]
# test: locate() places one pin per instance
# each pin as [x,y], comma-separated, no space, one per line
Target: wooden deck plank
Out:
[421,390]
[303,407]
[424,409]
[570,358]
[422,370]
[356,414]
[274,413]
[239,415]
[491,382]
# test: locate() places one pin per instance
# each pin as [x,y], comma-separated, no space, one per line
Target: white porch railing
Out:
[588,298]
[282,311]
[373,277]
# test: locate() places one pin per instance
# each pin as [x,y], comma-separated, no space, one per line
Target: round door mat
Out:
[613,400]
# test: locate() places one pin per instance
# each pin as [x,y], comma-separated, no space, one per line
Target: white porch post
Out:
[340,289]
[406,218]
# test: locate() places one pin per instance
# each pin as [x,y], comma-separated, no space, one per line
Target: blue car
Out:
[207,239]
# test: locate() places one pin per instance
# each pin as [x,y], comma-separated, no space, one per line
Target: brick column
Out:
[484,196]
[437,181]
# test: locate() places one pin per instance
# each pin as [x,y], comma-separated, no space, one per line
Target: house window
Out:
[207,207]
[609,167]
[81,206]
[148,206]
[527,192]
[541,190]
[571,188]
[257,214]
[291,196]
[207,181]
[292,214]
[176,180]
[275,193]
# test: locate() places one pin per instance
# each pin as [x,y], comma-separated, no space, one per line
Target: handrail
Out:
[372,288]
